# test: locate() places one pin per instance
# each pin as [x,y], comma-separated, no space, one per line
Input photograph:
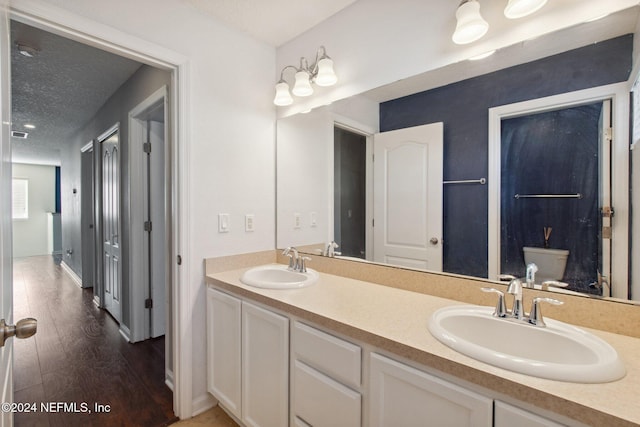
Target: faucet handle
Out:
[506,277]
[302,267]
[501,309]
[553,284]
[535,316]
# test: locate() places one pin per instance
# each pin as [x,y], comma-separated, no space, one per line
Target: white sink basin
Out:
[278,276]
[558,351]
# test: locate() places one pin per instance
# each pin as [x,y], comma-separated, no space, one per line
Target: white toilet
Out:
[551,262]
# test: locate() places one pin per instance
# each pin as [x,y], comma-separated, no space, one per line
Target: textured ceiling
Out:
[272,21]
[58,90]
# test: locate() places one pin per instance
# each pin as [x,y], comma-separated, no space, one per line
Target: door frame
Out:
[354,126]
[619,95]
[58,21]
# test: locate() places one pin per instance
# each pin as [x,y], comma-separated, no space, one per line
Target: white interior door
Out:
[112,268]
[6,272]
[158,235]
[408,197]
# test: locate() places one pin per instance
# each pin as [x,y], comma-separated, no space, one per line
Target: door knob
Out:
[23,329]
[434,241]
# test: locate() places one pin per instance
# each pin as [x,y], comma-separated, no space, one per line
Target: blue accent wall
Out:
[463,108]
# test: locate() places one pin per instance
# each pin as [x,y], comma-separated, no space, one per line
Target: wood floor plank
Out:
[80,359]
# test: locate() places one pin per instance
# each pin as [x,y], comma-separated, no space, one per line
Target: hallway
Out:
[78,356]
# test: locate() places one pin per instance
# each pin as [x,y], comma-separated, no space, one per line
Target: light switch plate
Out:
[223,223]
[249,222]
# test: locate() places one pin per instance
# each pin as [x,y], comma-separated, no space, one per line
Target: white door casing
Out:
[46,16]
[619,95]
[408,205]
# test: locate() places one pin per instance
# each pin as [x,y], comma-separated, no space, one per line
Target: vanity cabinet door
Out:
[224,349]
[401,395]
[506,415]
[265,367]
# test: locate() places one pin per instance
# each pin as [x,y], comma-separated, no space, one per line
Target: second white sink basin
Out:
[558,351]
[278,276]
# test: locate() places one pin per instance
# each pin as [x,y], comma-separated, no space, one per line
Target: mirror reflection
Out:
[380,200]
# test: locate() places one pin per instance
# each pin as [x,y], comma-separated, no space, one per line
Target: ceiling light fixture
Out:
[320,72]
[30,126]
[520,8]
[471,26]
[26,50]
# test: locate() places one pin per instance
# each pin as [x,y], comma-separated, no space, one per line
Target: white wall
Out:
[305,183]
[30,235]
[377,42]
[231,131]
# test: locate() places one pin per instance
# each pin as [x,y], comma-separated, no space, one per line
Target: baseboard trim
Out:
[125,332]
[72,274]
[202,404]
[168,379]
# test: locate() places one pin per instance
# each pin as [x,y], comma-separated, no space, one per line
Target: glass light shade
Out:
[283,97]
[519,8]
[302,86]
[326,76]
[471,26]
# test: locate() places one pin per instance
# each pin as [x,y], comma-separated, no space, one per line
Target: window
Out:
[20,198]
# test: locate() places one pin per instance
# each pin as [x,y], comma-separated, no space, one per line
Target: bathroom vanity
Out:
[355,353]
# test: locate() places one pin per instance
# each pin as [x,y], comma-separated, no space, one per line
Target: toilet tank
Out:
[551,262]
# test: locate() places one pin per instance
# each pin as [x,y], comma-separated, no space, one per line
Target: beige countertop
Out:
[396,320]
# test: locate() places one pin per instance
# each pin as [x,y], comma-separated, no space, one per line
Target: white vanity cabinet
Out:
[506,415]
[326,379]
[224,349]
[248,360]
[401,395]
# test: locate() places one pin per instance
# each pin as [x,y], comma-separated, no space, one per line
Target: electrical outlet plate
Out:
[297,220]
[314,219]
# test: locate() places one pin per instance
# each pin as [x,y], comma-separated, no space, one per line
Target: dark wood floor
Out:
[78,356]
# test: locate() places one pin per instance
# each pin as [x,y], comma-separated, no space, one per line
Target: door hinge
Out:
[608,134]
[148,303]
[147,226]
[607,212]
[146,147]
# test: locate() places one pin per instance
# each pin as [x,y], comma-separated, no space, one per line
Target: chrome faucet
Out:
[331,249]
[530,276]
[515,289]
[294,258]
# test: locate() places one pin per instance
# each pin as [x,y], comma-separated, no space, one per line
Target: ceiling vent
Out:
[18,134]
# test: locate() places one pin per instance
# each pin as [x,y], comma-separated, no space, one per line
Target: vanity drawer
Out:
[336,357]
[321,401]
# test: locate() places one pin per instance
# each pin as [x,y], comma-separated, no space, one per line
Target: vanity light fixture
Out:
[30,126]
[520,8]
[471,26]
[320,72]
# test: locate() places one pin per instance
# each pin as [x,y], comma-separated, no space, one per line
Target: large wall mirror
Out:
[531,149]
